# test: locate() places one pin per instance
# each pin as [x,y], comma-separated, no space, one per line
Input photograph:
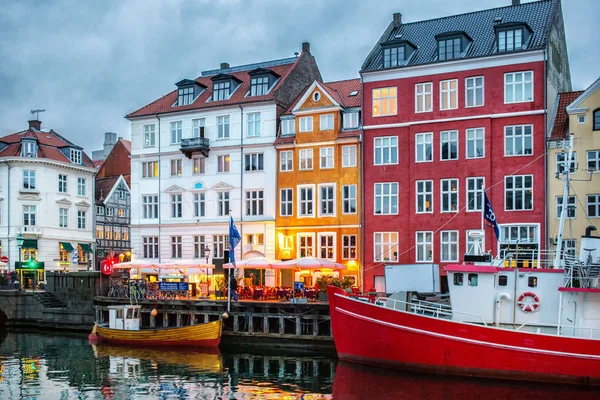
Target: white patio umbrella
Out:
[309,263]
[133,264]
[254,263]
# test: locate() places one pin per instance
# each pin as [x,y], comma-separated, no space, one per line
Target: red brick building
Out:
[452,105]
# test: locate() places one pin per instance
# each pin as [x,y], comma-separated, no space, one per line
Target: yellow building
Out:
[319,182]
[577,113]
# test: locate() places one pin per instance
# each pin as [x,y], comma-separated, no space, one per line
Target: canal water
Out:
[62,366]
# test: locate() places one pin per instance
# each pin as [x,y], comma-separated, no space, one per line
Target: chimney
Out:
[397,18]
[110,139]
[306,47]
[35,124]
[516,2]
[224,65]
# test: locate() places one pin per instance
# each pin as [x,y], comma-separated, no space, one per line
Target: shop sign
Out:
[173,286]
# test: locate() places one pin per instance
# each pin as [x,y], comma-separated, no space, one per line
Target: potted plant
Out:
[324,281]
[220,286]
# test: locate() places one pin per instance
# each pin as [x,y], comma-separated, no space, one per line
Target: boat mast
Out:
[565,202]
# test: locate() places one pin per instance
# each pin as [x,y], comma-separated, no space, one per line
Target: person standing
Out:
[233,287]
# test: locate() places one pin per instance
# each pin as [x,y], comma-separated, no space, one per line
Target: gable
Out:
[308,100]
[175,189]
[222,186]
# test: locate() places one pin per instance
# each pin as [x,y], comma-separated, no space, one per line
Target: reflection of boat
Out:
[357,382]
[207,359]
[124,328]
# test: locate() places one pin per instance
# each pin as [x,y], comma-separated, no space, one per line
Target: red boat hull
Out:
[375,335]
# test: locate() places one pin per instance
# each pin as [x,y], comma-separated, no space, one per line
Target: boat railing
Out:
[584,332]
[436,310]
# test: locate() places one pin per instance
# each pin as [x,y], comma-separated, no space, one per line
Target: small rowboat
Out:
[124,328]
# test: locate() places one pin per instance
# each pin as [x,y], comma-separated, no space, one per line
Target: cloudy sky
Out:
[88,63]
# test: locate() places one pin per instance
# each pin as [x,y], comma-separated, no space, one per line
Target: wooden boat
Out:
[124,328]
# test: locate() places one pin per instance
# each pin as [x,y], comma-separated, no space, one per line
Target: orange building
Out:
[319,181]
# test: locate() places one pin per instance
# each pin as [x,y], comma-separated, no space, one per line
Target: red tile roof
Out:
[560,129]
[340,90]
[349,134]
[104,186]
[165,103]
[287,139]
[98,163]
[126,144]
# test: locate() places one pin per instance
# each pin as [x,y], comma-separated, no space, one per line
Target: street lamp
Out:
[19,246]
[207,255]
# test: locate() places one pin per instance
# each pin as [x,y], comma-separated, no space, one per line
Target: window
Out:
[286,202]
[150,206]
[518,87]
[597,119]
[199,165]
[424,197]
[176,247]
[386,150]
[253,124]
[221,90]
[561,160]
[176,130]
[423,97]
[326,157]
[108,232]
[110,211]
[306,159]
[518,192]
[349,156]
[76,156]
[121,212]
[259,86]
[62,183]
[473,279]
[185,96]
[29,148]
[223,127]
[581,119]
[449,145]
[28,179]
[198,127]
[286,161]
[176,167]
[384,101]
[80,219]
[386,198]
[83,255]
[449,94]
[349,199]
[117,232]
[223,202]
[474,91]
[99,233]
[80,186]
[306,245]
[254,202]
[593,205]
[475,194]
[150,169]
[424,246]
[176,205]
[122,194]
[125,233]
[570,246]
[199,204]
[220,243]
[571,207]
[350,120]
[223,163]
[518,140]
[593,160]
[63,217]
[393,56]
[326,122]
[475,143]
[99,210]
[449,190]
[510,40]
[385,246]
[458,279]
[306,201]
[199,246]
[326,200]
[327,246]
[532,281]
[149,136]
[502,280]
[288,126]
[306,124]
[424,147]
[349,247]
[254,162]
[449,245]
[449,49]
[150,246]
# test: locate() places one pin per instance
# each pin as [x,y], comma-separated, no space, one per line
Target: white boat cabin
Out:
[124,317]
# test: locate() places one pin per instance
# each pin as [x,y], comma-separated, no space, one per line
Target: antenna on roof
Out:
[37,113]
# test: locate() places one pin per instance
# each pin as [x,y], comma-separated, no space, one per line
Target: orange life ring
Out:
[529,306]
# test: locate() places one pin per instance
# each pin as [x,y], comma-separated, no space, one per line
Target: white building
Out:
[204,152]
[46,196]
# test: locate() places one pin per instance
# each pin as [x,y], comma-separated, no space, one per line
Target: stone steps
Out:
[49,300]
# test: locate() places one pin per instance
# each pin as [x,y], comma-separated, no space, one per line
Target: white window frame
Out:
[63,217]
[197,124]
[326,122]
[350,120]
[581,119]
[447,94]
[29,148]
[475,136]
[150,135]
[198,165]
[223,127]
[385,244]
[477,193]
[383,144]
[332,201]
[176,132]
[594,204]
[76,156]
[449,193]
[177,167]
[311,248]
[474,90]
[63,183]
[595,159]
[423,97]
[253,124]
[31,212]
[223,202]
[522,189]
[29,176]
[333,245]
[176,202]
[199,204]
[421,147]
[326,157]
[81,186]
[152,167]
[150,247]
[422,245]
[446,243]
[523,138]
[349,198]
[286,161]
[511,86]
[306,124]
[379,199]
[254,200]
[387,96]
[223,163]
[571,206]
[452,138]
[300,189]
[286,202]
[421,196]
[254,159]
[149,206]
[560,164]
[306,157]
[288,126]
[81,219]
[176,247]
[349,156]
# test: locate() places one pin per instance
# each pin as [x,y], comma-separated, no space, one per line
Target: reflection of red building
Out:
[448,112]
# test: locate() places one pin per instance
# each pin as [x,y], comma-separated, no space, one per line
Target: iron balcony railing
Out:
[195,144]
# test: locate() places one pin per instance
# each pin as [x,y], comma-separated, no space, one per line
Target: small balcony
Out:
[32,230]
[195,145]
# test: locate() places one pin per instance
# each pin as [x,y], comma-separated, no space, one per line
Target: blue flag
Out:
[489,216]
[234,239]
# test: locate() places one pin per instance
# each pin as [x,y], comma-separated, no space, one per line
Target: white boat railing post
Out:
[565,197]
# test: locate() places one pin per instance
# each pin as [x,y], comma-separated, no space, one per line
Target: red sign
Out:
[4,259]
[106,267]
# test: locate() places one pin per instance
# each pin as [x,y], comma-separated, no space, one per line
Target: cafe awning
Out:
[66,246]
[29,244]
[85,247]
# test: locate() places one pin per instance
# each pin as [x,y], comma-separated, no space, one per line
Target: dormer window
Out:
[186,96]
[76,156]
[187,91]
[221,90]
[511,36]
[259,86]
[393,56]
[452,45]
[29,148]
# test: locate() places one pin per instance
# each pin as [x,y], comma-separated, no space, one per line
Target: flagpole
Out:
[482,207]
